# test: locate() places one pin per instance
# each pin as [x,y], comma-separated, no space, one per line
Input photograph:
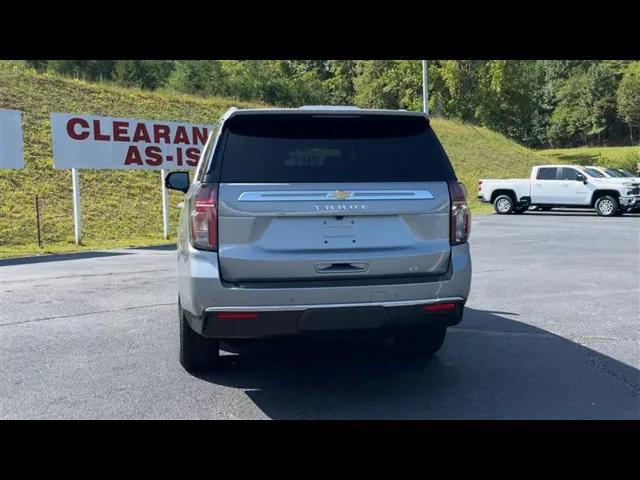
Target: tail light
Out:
[479,185]
[460,214]
[204,218]
[436,307]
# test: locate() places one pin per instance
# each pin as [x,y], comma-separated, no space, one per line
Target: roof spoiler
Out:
[328,107]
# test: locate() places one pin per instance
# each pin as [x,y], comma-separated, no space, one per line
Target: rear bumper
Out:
[291,308]
[382,320]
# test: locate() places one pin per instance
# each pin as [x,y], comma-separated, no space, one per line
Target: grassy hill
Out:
[124,208]
[617,157]
[118,208]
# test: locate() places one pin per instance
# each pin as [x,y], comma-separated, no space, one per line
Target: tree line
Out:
[538,103]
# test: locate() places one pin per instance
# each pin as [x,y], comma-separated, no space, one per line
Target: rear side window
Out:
[274,148]
[547,173]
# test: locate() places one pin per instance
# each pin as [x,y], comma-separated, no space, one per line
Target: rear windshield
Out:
[275,148]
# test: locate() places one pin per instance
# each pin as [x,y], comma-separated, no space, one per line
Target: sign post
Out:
[425,86]
[77,213]
[38,221]
[165,205]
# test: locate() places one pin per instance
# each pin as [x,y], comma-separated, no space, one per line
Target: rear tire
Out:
[503,204]
[196,352]
[606,206]
[420,343]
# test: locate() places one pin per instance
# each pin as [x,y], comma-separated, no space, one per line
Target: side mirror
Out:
[177,181]
[582,178]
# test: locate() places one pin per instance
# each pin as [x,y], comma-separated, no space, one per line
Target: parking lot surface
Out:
[551,331]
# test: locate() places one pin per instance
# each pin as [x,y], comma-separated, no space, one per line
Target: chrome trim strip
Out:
[332,195]
[288,308]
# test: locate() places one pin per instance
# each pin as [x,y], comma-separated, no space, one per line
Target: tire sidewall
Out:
[196,353]
[500,201]
[600,202]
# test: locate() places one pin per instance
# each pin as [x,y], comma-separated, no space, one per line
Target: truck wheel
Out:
[196,351]
[420,343]
[606,206]
[503,204]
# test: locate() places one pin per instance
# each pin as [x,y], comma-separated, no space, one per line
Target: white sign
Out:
[87,141]
[11,152]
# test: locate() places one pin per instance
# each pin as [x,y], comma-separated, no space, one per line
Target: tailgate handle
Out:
[327,267]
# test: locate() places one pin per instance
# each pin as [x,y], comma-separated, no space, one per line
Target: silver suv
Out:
[321,220]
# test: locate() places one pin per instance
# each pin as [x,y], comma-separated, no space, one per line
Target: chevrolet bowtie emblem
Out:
[341,194]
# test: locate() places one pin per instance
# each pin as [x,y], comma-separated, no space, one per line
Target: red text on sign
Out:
[123,131]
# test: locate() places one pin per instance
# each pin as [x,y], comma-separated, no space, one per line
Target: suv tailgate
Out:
[303,231]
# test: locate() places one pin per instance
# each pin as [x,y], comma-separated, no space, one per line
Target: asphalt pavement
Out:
[551,331]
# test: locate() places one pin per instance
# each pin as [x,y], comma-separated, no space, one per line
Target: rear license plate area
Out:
[343,319]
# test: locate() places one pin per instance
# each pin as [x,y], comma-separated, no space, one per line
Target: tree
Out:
[553,73]
[84,69]
[256,80]
[339,86]
[147,74]
[505,100]
[454,88]
[371,84]
[198,76]
[388,84]
[586,107]
[537,103]
[628,98]
[38,65]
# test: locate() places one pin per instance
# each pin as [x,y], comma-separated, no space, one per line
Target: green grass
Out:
[478,152]
[123,208]
[617,157]
[119,208]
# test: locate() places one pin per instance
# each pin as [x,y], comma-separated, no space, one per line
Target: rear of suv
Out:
[317,221]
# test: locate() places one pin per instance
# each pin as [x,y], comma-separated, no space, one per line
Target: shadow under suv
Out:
[321,220]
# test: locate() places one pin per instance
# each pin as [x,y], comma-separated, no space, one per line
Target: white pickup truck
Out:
[612,173]
[561,186]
